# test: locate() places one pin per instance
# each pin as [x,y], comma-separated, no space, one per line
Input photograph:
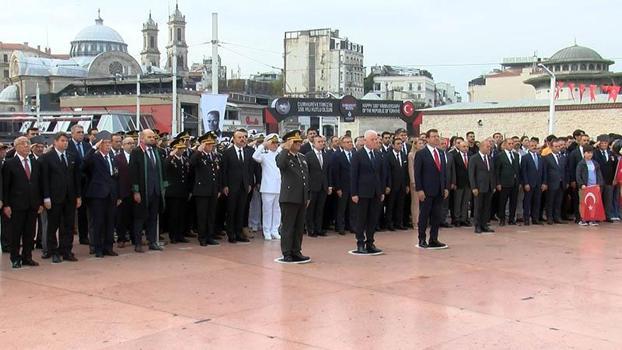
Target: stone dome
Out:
[96,39]
[577,53]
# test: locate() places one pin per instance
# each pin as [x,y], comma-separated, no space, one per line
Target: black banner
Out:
[348,108]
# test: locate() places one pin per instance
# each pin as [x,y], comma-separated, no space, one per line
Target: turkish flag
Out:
[618,178]
[558,88]
[571,88]
[581,91]
[592,92]
[613,92]
[591,207]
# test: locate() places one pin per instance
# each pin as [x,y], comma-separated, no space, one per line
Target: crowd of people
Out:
[138,187]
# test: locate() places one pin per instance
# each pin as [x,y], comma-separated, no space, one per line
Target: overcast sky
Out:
[455,40]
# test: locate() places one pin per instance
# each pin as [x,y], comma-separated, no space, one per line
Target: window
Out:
[178,34]
[419,87]
[565,67]
[5,58]
[6,73]
[583,66]
[591,66]
[151,42]
[573,67]
[410,86]
[376,86]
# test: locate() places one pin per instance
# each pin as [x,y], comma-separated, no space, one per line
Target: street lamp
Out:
[551,98]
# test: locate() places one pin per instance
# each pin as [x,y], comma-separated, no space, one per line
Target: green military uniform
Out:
[293,199]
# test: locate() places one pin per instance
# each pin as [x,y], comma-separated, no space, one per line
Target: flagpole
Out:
[551,98]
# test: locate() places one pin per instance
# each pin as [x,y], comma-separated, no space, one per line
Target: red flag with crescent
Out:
[581,91]
[613,92]
[618,178]
[571,88]
[558,88]
[592,92]
[591,207]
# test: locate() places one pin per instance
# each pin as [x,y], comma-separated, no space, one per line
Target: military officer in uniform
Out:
[177,168]
[294,197]
[205,168]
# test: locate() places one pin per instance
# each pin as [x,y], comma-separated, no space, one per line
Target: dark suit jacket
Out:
[100,183]
[427,176]
[178,177]
[319,176]
[294,177]
[305,148]
[530,175]
[607,165]
[368,179]
[480,177]
[507,172]
[205,174]
[556,175]
[461,170]
[19,192]
[138,178]
[125,183]
[235,175]
[573,160]
[397,174]
[582,174]
[340,169]
[60,182]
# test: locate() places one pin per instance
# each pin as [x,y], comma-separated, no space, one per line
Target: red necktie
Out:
[437,160]
[27,168]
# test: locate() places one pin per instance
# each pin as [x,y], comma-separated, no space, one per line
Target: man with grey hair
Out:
[368,184]
[78,148]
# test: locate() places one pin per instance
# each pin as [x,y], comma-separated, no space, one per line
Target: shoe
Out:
[402,228]
[609,221]
[70,257]
[277,236]
[487,229]
[615,219]
[203,243]
[84,242]
[371,249]
[46,255]
[99,255]
[583,223]
[110,253]
[422,244]
[56,259]
[550,222]
[322,234]
[183,240]
[437,245]
[502,223]
[91,250]
[232,240]
[446,225]
[312,234]
[360,248]
[242,240]
[154,246]
[593,223]
[559,222]
[342,233]
[288,258]
[478,230]
[299,258]
[38,246]
[457,224]
[139,249]
[190,234]
[526,222]
[173,241]
[210,241]
[390,228]
[121,244]
[512,223]
[29,262]
[267,237]
[16,264]
[538,222]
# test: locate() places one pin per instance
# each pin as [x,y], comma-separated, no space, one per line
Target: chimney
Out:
[25,43]
[38,47]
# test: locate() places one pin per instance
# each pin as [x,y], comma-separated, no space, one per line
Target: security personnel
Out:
[294,196]
[177,168]
[205,168]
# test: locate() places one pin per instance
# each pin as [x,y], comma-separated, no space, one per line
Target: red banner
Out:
[613,92]
[591,207]
[571,88]
[592,92]
[618,178]
[581,91]
[558,88]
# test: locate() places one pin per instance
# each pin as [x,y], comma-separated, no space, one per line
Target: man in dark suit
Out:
[397,185]
[61,196]
[78,148]
[205,170]
[574,158]
[507,174]
[319,173]
[607,161]
[431,187]
[534,182]
[294,196]
[462,194]
[177,169]
[307,145]
[483,183]
[148,186]
[101,193]
[368,188]
[123,214]
[450,177]
[21,181]
[238,174]
[557,177]
[342,186]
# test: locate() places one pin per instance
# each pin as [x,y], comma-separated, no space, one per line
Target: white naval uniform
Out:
[270,189]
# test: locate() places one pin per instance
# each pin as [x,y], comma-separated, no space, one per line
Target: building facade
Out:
[319,62]
[177,42]
[150,55]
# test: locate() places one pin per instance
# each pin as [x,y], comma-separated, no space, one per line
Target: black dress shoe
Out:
[91,250]
[560,222]
[550,222]
[446,225]
[487,229]
[466,224]
[110,253]
[526,222]
[478,230]
[84,242]
[190,234]
[29,262]
[360,248]
[402,228]
[46,255]
[203,243]
[232,241]
[436,245]
[183,240]
[56,259]
[390,228]
[99,255]
[242,240]
[371,249]
[322,234]
[16,264]
[422,244]
[312,234]
[210,241]
[502,223]
[154,246]
[173,241]
[299,257]
[288,258]
[457,224]
[70,257]
[538,222]
[342,233]
[512,223]
[139,249]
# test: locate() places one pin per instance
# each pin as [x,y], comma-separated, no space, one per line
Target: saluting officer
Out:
[177,172]
[294,196]
[205,167]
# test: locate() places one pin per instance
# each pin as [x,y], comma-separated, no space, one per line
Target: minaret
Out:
[150,55]
[177,41]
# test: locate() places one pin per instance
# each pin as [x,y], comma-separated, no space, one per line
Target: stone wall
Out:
[593,121]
